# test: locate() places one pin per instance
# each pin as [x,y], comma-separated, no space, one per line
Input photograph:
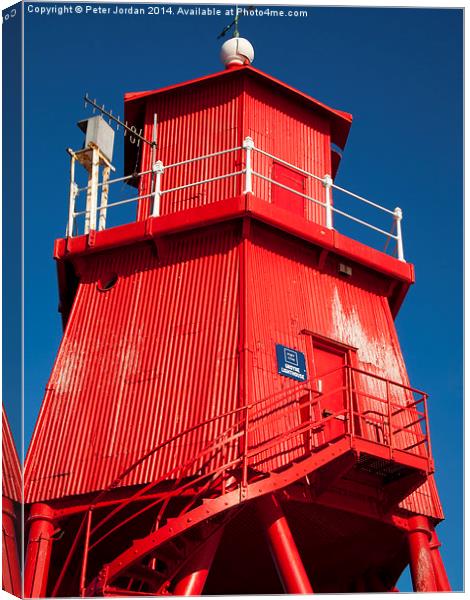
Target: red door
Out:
[285,198]
[328,365]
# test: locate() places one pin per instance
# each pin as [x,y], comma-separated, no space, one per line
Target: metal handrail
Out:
[293,394]
[248,173]
[240,430]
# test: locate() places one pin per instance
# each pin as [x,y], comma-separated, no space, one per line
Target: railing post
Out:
[398,218]
[104,199]
[248,146]
[245,448]
[158,170]
[71,221]
[92,205]
[72,196]
[85,554]
[389,410]
[327,184]
[428,437]
[349,379]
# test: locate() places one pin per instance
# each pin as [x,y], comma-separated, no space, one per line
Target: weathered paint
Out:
[350,310]
[421,564]
[138,363]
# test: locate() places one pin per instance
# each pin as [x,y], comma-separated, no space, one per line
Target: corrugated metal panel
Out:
[192,125]
[11,470]
[147,359]
[219,116]
[340,120]
[352,311]
[425,500]
[158,353]
[291,132]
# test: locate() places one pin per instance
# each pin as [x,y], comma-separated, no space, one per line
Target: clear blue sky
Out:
[398,71]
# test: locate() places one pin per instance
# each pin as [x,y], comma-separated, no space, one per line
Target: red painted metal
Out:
[421,563]
[272,120]
[283,547]
[165,411]
[11,470]
[11,572]
[11,511]
[341,118]
[136,103]
[190,126]
[191,582]
[440,572]
[38,555]
[222,112]
[124,349]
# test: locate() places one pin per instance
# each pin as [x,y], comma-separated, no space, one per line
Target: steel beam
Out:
[11,574]
[421,562]
[283,547]
[438,564]
[193,578]
[38,553]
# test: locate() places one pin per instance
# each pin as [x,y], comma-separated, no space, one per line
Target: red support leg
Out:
[438,564]
[421,562]
[38,553]
[11,574]
[283,548]
[193,579]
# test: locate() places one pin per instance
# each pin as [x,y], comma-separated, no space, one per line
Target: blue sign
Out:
[291,363]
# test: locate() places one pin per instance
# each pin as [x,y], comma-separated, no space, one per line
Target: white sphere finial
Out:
[237,51]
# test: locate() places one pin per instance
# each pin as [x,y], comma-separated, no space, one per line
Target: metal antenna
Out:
[236,32]
[234,24]
[135,136]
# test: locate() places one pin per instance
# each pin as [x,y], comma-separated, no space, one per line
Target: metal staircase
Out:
[190,505]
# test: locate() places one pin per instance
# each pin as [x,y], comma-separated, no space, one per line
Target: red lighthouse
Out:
[229,411]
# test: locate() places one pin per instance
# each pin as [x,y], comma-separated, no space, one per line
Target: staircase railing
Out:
[367,401]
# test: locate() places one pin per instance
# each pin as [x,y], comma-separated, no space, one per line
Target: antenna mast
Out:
[234,24]
[135,137]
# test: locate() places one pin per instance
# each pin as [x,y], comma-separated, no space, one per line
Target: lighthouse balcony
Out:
[350,425]
[243,177]
[304,442]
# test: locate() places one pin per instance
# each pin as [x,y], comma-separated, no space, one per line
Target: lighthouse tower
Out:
[229,411]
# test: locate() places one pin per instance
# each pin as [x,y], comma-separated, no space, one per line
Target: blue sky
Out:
[398,71]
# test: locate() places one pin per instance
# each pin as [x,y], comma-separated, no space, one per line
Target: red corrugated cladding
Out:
[159,351]
[152,356]
[191,126]
[11,470]
[292,132]
[218,114]
[353,311]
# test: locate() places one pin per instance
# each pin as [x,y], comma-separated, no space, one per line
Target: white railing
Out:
[95,216]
